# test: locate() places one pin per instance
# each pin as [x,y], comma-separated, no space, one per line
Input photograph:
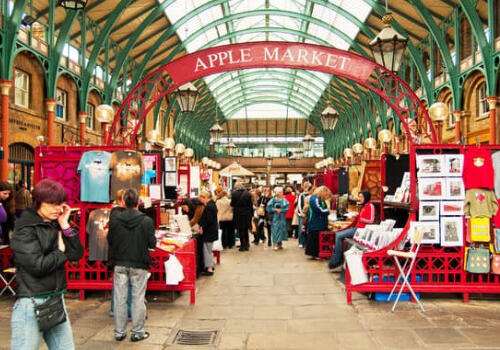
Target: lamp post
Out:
[216,133]
[308,141]
[388,46]
[104,114]
[358,149]
[438,112]
[329,118]
[299,154]
[370,145]
[231,147]
[187,96]
[385,137]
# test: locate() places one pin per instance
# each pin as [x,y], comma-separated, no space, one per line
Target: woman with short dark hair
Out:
[42,242]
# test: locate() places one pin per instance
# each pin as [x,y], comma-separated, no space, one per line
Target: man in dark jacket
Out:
[131,234]
[241,201]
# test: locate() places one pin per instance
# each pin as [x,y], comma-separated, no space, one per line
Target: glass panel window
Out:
[22,88]
[61,104]
[90,116]
[482,103]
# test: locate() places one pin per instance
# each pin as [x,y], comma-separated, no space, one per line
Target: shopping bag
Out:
[478,260]
[217,245]
[354,260]
[478,230]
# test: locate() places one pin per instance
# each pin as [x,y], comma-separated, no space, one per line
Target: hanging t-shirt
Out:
[149,177]
[94,182]
[478,169]
[97,228]
[127,170]
[480,203]
[343,180]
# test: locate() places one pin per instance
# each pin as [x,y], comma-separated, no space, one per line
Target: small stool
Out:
[8,271]
[217,256]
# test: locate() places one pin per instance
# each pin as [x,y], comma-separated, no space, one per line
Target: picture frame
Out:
[454,165]
[451,208]
[155,192]
[428,211]
[430,231]
[454,188]
[431,188]
[169,164]
[430,165]
[171,179]
[452,231]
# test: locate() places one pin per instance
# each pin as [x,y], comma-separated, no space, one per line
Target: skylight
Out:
[302,89]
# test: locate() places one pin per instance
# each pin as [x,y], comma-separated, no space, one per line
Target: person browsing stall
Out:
[131,234]
[209,230]
[42,242]
[318,219]
[366,216]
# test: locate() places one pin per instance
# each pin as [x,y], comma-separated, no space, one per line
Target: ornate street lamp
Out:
[169,143]
[388,46]
[180,149]
[329,118]
[370,145]
[299,154]
[187,96]
[269,161]
[216,132]
[72,4]
[385,137]
[189,153]
[231,147]
[308,141]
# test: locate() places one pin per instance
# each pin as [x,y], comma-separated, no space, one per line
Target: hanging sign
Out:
[270,54]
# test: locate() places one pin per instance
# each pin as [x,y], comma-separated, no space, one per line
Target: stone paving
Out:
[265,299]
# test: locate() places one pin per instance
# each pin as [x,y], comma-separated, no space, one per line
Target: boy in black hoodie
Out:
[131,233]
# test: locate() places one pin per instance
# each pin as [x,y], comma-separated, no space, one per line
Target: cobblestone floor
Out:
[265,299]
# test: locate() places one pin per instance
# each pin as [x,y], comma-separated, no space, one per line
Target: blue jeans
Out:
[302,234]
[25,334]
[338,253]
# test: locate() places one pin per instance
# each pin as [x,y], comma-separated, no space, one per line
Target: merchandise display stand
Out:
[60,163]
[437,269]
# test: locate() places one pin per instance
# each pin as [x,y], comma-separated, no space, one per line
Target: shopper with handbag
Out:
[209,230]
[260,213]
[225,217]
[318,219]
[42,242]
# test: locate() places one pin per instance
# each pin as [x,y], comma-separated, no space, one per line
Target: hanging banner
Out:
[270,54]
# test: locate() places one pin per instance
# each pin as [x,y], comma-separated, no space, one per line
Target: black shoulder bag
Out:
[50,313]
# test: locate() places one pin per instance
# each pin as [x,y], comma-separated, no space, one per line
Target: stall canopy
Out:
[235,169]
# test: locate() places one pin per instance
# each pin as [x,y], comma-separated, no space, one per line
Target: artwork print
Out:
[452,231]
[430,165]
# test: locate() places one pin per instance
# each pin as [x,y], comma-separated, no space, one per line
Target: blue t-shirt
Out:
[95,172]
[148,175]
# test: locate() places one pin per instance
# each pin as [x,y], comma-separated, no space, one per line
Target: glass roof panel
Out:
[306,86]
[267,111]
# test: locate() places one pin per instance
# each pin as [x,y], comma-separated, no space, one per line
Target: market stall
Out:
[91,200]
[458,254]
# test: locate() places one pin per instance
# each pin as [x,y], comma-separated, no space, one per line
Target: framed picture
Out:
[452,208]
[454,188]
[170,164]
[430,231]
[452,231]
[399,194]
[170,179]
[428,211]
[454,164]
[430,165]
[431,188]
[155,192]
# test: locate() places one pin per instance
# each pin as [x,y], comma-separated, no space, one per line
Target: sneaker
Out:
[120,337]
[136,337]
[301,246]
[275,247]
[336,269]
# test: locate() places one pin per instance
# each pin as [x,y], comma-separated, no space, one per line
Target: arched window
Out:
[481,102]
[21,160]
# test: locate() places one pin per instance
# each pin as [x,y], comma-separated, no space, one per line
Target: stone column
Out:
[51,108]
[458,134]
[4,162]
[82,118]
[492,102]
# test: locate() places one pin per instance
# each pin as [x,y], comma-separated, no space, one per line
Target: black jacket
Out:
[209,223]
[241,201]
[39,262]
[130,235]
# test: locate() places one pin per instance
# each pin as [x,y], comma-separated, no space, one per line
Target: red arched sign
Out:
[398,95]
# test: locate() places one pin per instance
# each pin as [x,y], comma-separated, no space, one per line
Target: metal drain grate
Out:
[190,337]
